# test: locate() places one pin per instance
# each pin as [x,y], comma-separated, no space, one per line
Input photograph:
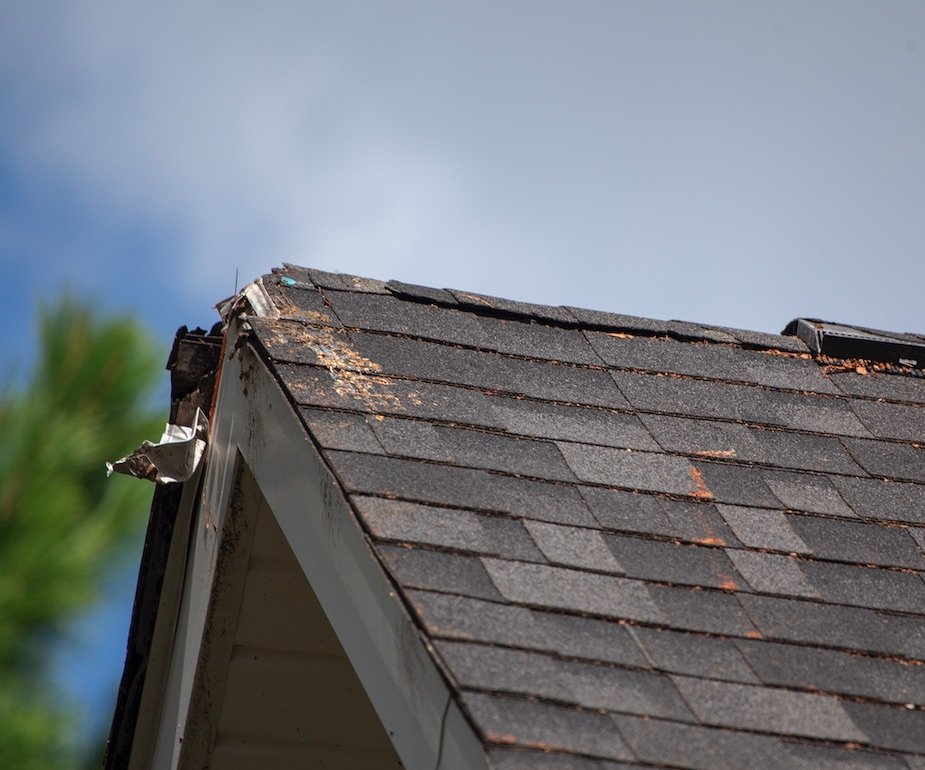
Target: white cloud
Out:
[607,154]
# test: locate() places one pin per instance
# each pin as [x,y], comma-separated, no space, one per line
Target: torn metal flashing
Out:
[850,342]
[172,459]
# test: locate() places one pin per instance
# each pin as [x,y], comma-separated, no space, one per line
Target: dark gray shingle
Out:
[650,535]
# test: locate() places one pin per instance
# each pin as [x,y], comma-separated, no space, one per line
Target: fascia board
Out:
[159,657]
[390,655]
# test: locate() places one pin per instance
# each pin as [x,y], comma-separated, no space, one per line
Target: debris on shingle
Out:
[629,542]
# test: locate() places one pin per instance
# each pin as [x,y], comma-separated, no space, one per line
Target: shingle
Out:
[806,492]
[313,343]
[535,340]
[742,706]
[858,541]
[345,282]
[483,667]
[412,438]
[572,423]
[481,302]
[887,386]
[521,759]
[447,528]
[736,484]
[693,609]
[295,272]
[784,372]
[472,448]
[301,301]
[633,512]
[773,573]
[626,468]
[393,315]
[619,321]
[438,571]
[671,563]
[832,625]
[315,386]
[694,331]
[796,665]
[699,398]
[515,721]
[885,500]
[341,430]
[693,654]
[891,420]
[866,587]
[537,379]
[918,534]
[460,617]
[700,748]
[746,444]
[718,362]
[385,313]
[808,756]
[573,546]
[420,293]
[459,487]
[573,591]
[814,414]
[664,355]
[704,437]
[761,528]
[888,458]
[890,727]
[590,638]
[765,340]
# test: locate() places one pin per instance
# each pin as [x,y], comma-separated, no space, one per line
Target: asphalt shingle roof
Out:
[633,543]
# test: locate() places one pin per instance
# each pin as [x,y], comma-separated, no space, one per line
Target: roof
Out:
[625,542]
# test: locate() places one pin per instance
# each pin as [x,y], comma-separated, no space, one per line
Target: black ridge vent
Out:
[839,341]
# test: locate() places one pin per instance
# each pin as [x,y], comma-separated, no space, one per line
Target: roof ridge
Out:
[557,316]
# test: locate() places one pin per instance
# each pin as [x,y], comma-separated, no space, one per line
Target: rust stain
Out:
[711,540]
[728,584]
[503,738]
[716,453]
[754,635]
[700,488]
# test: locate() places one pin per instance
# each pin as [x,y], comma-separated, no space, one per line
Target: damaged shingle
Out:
[629,542]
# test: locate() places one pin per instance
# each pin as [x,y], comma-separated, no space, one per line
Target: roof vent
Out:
[841,341]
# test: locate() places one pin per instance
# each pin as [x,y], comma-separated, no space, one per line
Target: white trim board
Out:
[253,419]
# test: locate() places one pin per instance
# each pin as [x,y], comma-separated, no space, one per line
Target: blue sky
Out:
[738,163]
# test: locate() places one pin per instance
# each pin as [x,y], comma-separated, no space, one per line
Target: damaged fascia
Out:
[253,421]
